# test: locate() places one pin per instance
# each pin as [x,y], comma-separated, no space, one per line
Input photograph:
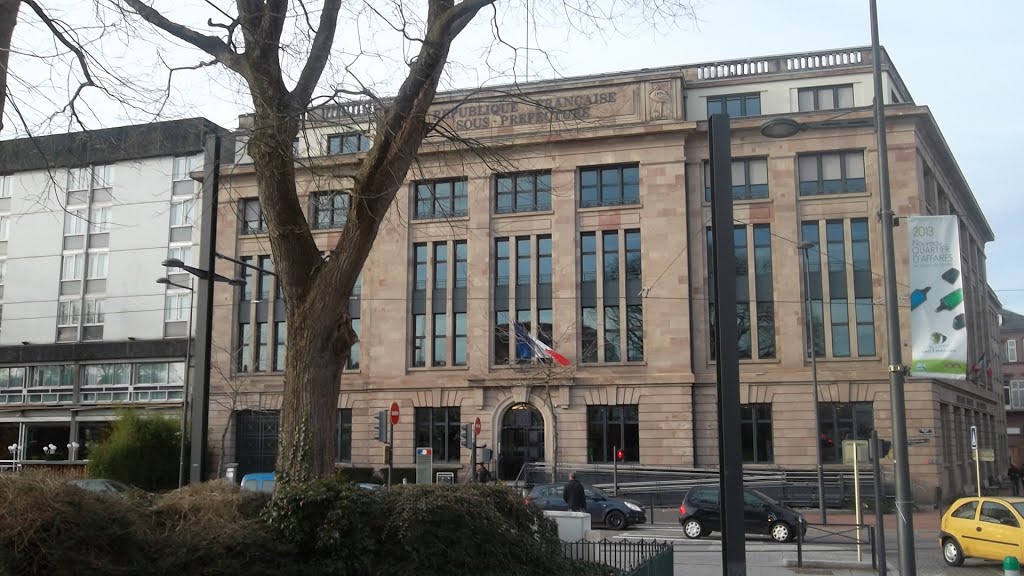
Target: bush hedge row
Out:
[324,527]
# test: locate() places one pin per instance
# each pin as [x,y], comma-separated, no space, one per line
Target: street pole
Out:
[184,396]
[876,450]
[204,323]
[730,444]
[904,502]
[805,248]
[391,448]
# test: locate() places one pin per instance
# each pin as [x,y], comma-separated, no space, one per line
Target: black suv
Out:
[606,509]
[701,515]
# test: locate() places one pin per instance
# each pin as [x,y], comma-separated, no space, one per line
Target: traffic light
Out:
[382,426]
[619,455]
[467,435]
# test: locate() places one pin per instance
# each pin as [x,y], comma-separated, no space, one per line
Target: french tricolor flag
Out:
[527,346]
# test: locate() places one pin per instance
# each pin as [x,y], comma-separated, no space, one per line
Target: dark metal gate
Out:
[256,441]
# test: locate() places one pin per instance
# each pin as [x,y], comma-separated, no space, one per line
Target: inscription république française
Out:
[537,110]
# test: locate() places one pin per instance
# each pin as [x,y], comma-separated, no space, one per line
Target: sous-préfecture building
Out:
[578,211]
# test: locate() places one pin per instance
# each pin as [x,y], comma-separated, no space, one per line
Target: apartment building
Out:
[582,218]
[1011,336]
[87,218]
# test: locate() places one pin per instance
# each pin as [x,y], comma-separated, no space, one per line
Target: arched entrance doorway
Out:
[522,439]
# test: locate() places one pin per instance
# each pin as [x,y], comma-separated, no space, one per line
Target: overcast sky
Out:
[960,59]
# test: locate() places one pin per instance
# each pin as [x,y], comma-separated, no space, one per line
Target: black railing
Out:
[836,538]
[625,557]
[609,202]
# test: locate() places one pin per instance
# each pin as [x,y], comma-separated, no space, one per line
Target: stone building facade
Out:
[1011,337]
[581,217]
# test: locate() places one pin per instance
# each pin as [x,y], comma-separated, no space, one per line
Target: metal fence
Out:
[833,538]
[625,558]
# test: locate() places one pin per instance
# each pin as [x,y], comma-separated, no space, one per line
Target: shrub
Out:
[49,527]
[141,450]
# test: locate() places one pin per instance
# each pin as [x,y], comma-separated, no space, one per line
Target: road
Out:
[762,551]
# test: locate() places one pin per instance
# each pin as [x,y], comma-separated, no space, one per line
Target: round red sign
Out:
[394,413]
[476,427]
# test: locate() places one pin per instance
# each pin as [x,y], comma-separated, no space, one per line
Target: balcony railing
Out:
[762,65]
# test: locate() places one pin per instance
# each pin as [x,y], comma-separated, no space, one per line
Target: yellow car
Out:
[986,528]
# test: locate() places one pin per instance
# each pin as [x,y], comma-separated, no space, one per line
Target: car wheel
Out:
[952,553]
[693,529]
[615,520]
[781,532]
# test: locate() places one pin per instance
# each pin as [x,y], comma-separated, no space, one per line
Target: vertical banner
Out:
[937,318]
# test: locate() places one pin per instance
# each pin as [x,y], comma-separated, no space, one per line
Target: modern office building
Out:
[1011,336]
[87,218]
[582,216]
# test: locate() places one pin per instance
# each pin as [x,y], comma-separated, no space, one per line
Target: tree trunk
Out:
[8,19]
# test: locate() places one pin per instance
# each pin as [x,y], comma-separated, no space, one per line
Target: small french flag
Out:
[527,346]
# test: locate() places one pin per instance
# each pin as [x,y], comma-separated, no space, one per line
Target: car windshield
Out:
[763,497]
[596,491]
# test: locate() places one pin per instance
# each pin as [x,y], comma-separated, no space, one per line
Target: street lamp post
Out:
[188,371]
[785,127]
[200,402]
[805,248]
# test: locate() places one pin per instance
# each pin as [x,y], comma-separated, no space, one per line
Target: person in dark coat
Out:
[1014,474]
[483,476]
[574,496]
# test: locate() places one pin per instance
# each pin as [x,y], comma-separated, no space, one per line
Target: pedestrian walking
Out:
[483,476]
[1014,474]
[573,495]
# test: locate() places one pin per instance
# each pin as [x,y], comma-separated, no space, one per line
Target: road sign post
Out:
[977,461]
[424,465]
[393,414]
[472,452]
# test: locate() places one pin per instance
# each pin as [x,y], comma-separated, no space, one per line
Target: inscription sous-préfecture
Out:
[533,110]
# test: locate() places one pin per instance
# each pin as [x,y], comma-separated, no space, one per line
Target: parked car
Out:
[259,482]
[112,487]
[700,514]
[989,528]
[611,511]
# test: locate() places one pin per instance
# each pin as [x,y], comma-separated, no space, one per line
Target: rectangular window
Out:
[522,261]
[330,210]
[5,186]
[831,173]
[863,291]
[1016,400]
[280,345]
[182,214]
[441,199]
[440,340]
[460,339]
[262,342]
[755,316]
[354,311]
[246,273]
[502,341]
[619,257]
[522,192]
[244,347]
[183,184]
[842,421]
[1011,350]
[348,143]
[343,445]
[263,280]
[419,342]
[611,428]
[183,253]
[97,265]
[749,179]
[71,266]
[588,286]
[440,266]
[75,222]
[544,260]
[252,217]
[839,308]
[815,325]
[69,313]
[763,293]
[609,186]
[176,307]
[99,219]
[825,98]
[438,428]
[93,311]
[735,105]
[756,431]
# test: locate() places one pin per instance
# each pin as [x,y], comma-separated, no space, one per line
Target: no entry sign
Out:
[476,427]
[394,413]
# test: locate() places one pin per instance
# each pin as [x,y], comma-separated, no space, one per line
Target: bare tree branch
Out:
[318,54]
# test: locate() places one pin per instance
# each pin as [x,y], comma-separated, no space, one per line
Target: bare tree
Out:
[317,290]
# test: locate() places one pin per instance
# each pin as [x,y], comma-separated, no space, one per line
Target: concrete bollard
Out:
[1010,566]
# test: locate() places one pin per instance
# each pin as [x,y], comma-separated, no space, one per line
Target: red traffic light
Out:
[619,455]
